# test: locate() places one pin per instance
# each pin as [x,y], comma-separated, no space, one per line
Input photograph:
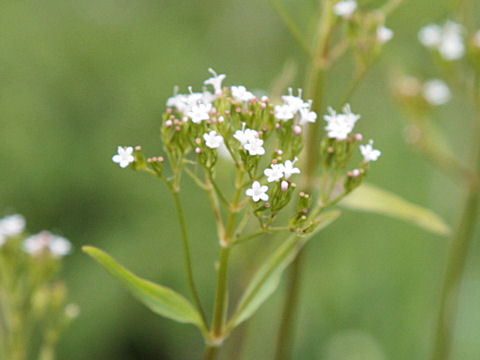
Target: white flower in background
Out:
[213,140]
[436,92]
[289,169]
[45,241]
[306,114]
[274,173]
[245,135]
[345,8]
[254,146]
[240,93]
[340,125]
[294,102]
[448,40]
[124,156]
[257,192]
[12,225]
[384,34]
[215,81]
[369,153]
[430,36]
[199,112]
[284,112]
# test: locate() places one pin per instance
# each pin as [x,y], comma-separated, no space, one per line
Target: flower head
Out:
[340,125]
[345,8]
[45,241]
[254,146]
[448,40]
[369,153]
[12,225]
[124,156]
[274,173]
[215,81]
[240,93]
[213,140]
[306,114]
[284,112]
[289,169]
[384,34]
[294,102]
[436,92]
[245,135]
[257,192]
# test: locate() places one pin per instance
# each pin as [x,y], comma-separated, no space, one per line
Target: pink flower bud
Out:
[297,130]
[284,186]
[168,123]
[198,150]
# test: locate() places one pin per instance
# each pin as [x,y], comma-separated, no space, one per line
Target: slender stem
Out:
[187,254]
[291,26]
[210,352]
[458,253]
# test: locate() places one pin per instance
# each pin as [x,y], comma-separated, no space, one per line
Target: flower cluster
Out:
[447,39]
[10,226]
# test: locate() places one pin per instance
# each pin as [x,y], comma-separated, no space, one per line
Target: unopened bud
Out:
[198,150]
[297,130]
[277,126]
[358,137]
[178,128]
[168,123]
[284,186]
[221,119]
[138,148]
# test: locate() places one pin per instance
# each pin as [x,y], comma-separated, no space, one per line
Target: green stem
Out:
[187,253]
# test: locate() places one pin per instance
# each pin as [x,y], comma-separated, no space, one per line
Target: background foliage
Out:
[79,77]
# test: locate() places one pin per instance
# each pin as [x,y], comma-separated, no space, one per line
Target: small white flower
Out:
[124,156]
[340,125]
[436,92]
[384,34]
[240,93]
[430,35]
[369,153]
[274,173]
[199,112]
[289,169]
[254,146]
[215,81]
[294,102]
[306,115]
[45,241]
[213,140]
[284,112]
[12,225]
[257,192]
[245,135]
[345,8]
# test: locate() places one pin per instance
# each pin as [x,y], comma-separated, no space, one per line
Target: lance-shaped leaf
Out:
[370,198]
[266,280]
[159,299]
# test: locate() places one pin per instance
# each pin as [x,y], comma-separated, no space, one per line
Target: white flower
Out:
[306,115]
[12,225]
[213,140]
[254,146]
[340,125]
[369,153]
[294,102]
[448,40]
[199,112]
[245,135]
[284,112]
[124,156]
[289,169]
[430,35]
[384,34]
[275,173]
[436,92]
[45,241]
[240,93]
[345,8]
[215,81]
[257,192]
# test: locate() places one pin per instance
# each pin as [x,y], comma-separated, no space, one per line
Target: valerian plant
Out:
[289,175]
[34,311]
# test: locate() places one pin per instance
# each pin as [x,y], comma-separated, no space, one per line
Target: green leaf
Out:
[266,280]
[370,198]
[159,299]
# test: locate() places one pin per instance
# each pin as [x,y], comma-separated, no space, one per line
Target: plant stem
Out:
[210,352]
[187,254]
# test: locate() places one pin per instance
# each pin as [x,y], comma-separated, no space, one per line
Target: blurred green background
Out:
[77,78]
